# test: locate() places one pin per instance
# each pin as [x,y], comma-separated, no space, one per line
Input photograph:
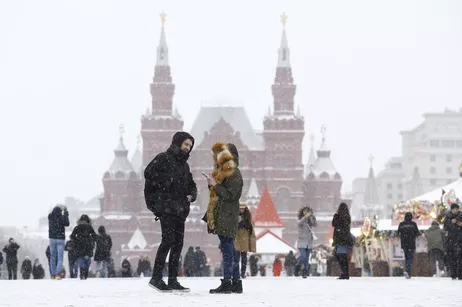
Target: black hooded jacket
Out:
[103,245]
[169,180]
[58,219]
[408,232]
[84,237]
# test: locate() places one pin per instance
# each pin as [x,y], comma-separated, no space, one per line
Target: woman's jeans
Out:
[56,256]
[304,258]
[228,251]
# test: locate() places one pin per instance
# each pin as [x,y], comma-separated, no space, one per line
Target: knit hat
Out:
[242,205]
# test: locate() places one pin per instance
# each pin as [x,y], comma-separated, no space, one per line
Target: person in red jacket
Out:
[277,267]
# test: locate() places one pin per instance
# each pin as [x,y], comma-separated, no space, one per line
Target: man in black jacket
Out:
[11,251]
[450,226]
[408,232]
[169,190]
[58,220]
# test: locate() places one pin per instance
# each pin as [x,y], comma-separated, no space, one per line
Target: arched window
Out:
[282,199]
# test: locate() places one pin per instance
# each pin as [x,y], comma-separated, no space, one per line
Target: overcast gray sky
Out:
[72,71]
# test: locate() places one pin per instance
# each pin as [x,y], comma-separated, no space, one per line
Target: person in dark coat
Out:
[289,263]
[37,270]
[48,255]
[144,267]
[169,189]
[408,232]
[11,252]
[26,268]
[450,226]
[253,263]
[190,262]
[72,257]
[126,268]
[85,237]
[457,260]
[1,262]
[58,220]
[225,184]
[342,239]
[103,251]
[435,246]
[201,262]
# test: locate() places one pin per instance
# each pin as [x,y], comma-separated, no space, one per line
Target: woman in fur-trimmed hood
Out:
[225,183]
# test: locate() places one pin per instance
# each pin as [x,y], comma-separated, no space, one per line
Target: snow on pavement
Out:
[259,291]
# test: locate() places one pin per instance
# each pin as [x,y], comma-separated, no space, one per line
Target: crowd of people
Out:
[169,190]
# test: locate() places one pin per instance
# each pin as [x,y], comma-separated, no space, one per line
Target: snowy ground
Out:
[267,291]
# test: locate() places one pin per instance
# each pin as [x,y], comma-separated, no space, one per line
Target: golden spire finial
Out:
[163,18]
[284,19]
[371,159]
[121,130]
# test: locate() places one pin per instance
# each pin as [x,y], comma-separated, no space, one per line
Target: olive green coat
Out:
[227,207]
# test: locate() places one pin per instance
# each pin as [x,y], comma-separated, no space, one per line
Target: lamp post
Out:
[460,170]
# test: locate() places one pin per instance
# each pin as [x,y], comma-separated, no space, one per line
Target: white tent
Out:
[436,193]
[269,243]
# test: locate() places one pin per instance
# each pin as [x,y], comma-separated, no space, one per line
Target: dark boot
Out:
[226,287]
[159,285]
[237,286]
[305,273]
[343,261]
[297,270]
[174,285]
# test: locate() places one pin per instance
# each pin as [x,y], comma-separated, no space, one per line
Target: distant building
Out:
[431,154]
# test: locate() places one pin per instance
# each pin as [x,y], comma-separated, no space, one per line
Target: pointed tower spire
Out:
[137,158]
[312,157]
[162,88]
[283,88]
[162,49]
[323,163]
[252,194]
[120,164]
[371,195]
[284,52]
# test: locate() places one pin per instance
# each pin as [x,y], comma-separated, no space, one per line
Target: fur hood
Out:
[225,162]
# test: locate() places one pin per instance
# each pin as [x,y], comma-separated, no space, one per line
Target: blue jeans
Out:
[84,265]
[56,256]
[228,251]
[409,258]
[73,267]
[101,268]
[304,257]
